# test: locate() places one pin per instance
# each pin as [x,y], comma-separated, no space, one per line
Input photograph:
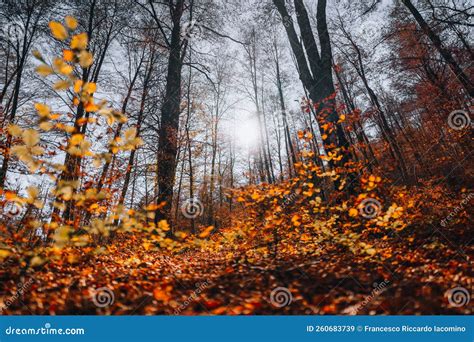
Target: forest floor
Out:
[408,275]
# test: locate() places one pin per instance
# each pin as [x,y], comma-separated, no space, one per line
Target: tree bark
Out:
[168,139]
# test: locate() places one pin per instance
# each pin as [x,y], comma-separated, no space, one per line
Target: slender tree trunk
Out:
[168,139]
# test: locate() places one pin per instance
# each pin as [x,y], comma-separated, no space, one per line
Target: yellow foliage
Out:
[58,30]
[85,59]
[62,85]
[206,232]
[353,212]
[79,41]
[89,88]
[71,22]
[76,139]
[68,55]
[15,130]
[44,70]
[163,225]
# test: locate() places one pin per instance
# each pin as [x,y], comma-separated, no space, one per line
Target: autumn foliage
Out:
[326,234]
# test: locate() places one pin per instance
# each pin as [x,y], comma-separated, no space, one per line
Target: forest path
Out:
[403,278]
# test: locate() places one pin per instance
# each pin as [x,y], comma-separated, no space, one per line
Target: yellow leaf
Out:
[61,85]
[58,30]
[42,109]
[62,67]
[255,196]
[44,70]
[296,220]
[15,130]
[4,253]
[30,137]
[68,55]
[130,133]
[71,22]
[90,87]
[10,196]
[163,225]
[162,295]
[36,261]
[32,192]
[66,69]
[206,232]
[181,235]
[77,86]
[91,107]
[46,126]
[76,139]
[37,55]
[85,59]
[370,251]
[79,41]
[353,212]
[37,150]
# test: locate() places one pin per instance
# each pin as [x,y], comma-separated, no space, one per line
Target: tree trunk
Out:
[168,139]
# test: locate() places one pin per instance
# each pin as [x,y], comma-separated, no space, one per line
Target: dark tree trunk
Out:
[168,139]
[317,76]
